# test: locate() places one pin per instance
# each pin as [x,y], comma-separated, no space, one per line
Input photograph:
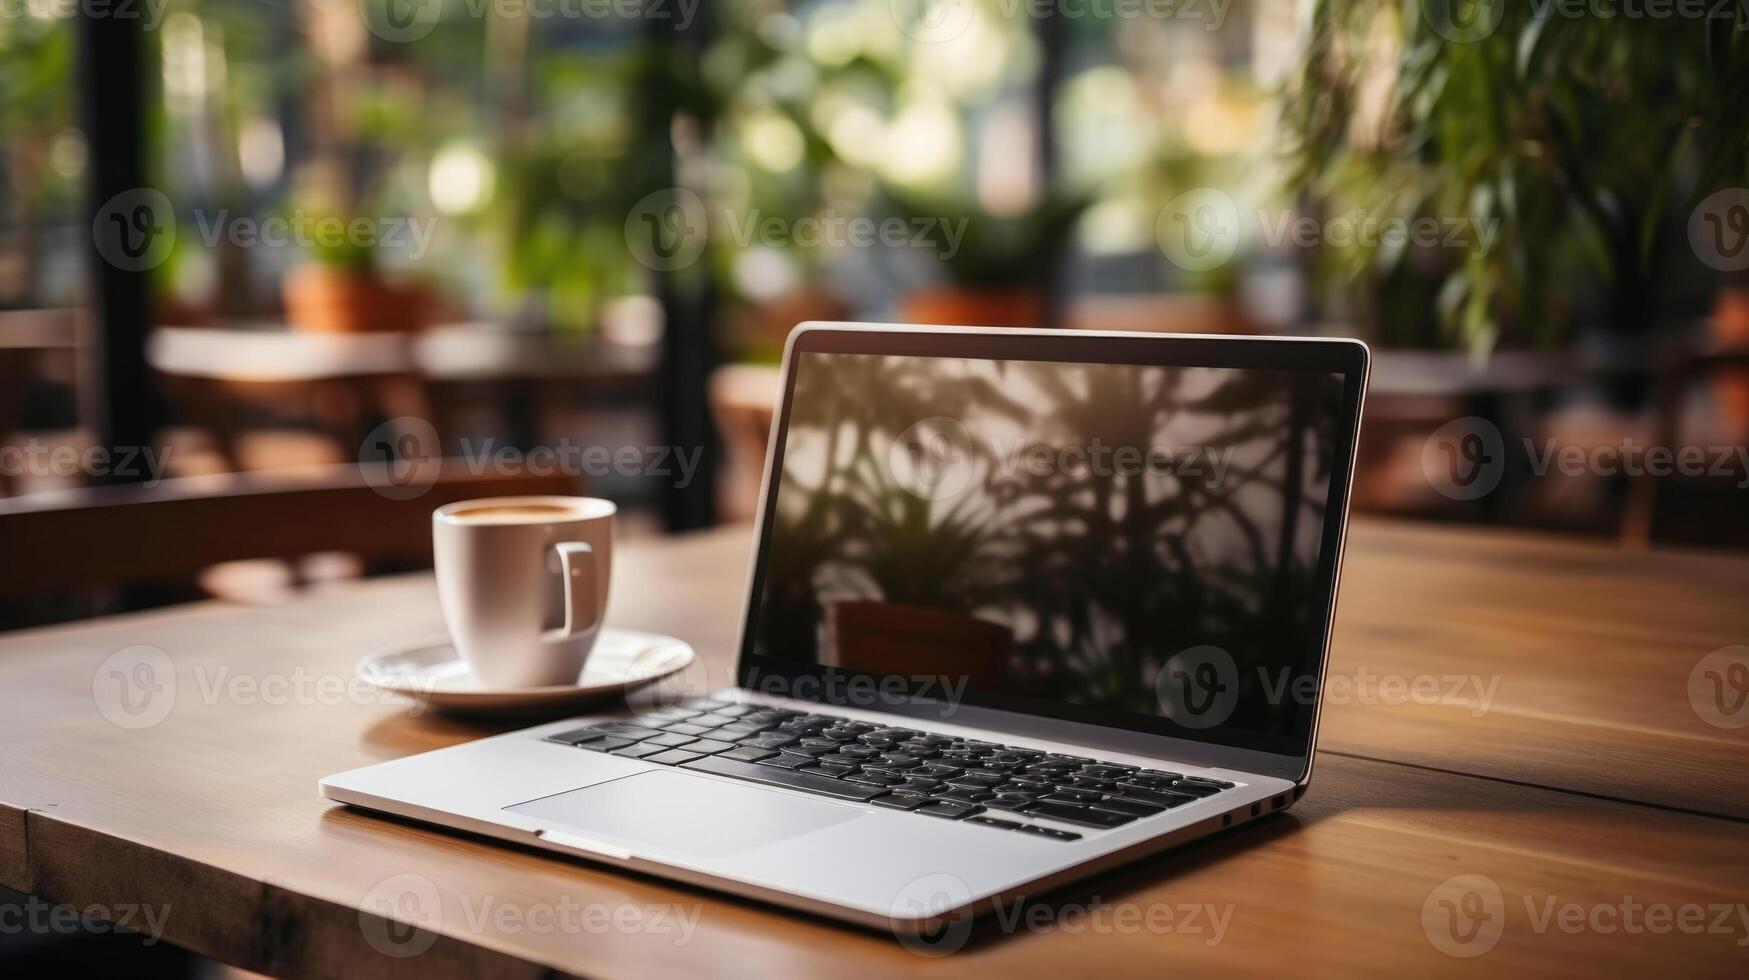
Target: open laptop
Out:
[1025,604]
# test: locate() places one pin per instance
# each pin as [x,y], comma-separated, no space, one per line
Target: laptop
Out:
[1025,605]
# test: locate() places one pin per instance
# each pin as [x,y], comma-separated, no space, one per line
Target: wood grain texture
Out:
[1586,649]
[213,812]
[14,850]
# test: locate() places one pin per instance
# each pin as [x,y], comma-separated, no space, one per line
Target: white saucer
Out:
[433,674]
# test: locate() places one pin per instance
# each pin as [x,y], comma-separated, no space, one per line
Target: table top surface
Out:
[38,330]
[1522,766]
[273,353]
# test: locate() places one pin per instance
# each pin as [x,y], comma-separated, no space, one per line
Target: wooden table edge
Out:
[281,931]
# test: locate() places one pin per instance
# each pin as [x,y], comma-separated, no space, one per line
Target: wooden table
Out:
[345,381]
[1589,791]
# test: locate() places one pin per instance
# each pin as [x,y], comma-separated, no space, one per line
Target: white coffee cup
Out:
[523,583]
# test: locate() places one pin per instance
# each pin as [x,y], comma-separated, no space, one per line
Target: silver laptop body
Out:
[1198,664]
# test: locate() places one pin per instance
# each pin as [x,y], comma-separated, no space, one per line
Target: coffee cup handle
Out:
[577,568]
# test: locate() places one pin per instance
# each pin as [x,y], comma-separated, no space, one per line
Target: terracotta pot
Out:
[1016,306]
[891,638]
[325,299]
[761,329]
[1730,331]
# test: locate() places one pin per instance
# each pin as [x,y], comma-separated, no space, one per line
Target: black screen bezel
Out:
[1348,358]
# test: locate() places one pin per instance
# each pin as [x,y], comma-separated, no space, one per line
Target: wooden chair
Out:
[98,538]
[1712,508]
[744,403]
[28,338]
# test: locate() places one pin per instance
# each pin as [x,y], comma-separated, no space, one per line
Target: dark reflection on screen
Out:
[1054,532]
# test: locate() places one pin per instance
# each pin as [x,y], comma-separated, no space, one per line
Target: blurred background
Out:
[291,270]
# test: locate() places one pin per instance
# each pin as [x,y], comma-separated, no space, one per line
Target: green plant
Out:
[36,67]
[589,143]
[1585,141]
[342,252]
[371,121]
[993,250]
[559,219]
[902,547]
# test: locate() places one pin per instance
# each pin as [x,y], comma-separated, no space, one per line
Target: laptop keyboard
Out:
[907,769]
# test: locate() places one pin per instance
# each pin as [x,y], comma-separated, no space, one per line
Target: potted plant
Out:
[995,273]
[36,64]
[1583,143]
[909,571]
[930,564]
[1729,326]
[360,118]
[342,290]
[928,558]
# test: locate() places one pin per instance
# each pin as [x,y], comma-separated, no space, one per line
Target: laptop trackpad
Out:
[671,812]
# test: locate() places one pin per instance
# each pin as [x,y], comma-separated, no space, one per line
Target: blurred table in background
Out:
[1456,374]
[1411,394]
[347,383]
[344,383]
[1595,402]
[525,381]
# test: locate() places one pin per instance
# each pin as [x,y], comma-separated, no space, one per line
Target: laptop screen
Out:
[1130,545]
